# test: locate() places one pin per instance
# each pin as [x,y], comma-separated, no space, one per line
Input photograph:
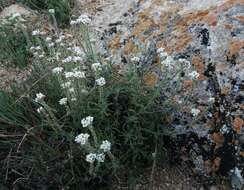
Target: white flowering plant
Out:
[81,116]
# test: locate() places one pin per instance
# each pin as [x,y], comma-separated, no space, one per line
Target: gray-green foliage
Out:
[15,44]
[63,8]
[39,151]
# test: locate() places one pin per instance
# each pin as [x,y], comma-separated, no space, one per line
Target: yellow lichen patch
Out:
[151,79]
[238,124]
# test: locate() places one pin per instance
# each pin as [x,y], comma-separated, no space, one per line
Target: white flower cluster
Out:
[135,59]
[169,62]
[51,11]
[82,138]
[195,112]
[101,81]
[166,60]
[72,59]
[39,97]
[105,146]
[84,19]
[57,70]
[87,121]
[36,32]
[92,157]
[40,109]
[96,67]
[66,85]
[194,75]
[75,74]
[63,101]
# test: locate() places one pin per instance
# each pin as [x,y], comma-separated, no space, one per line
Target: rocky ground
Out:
[210,35]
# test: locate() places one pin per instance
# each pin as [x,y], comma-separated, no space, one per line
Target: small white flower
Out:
[224,129]
[40,109]
[105,146]
[73,22]
[69,74]
[63,101]
[79,74]
[43,33]
[48,39]
[77,58]
[57,70]
[84,91]
[87,121]
[195,112]
[39,97]
[91,157]
[16,15]
[51,44]
[84,19]
[168,62]
[66,84]
[77,50]
[72,90]
[35,32]
[38,48]
[160,50]
[163,55]
[58,40]
[211,99]
[82,138]
[41,56]
[100,157]
[194,75]
[186,62]
[135,59]
[52,11]
[73,99]
[101,81]
[67,59]
[96,66]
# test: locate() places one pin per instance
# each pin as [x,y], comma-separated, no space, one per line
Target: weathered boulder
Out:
[15,9]
[210,35]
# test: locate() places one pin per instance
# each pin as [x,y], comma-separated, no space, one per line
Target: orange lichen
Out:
[197,61]
[115,42]
[216,164]
[151,79]
[238,124]
[218,138]
[235,47]
[225,90]
[240,18]
[130,48]
[187,84]
[242,154]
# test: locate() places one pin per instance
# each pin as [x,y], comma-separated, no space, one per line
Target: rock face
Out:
[209,34]
[13,9]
